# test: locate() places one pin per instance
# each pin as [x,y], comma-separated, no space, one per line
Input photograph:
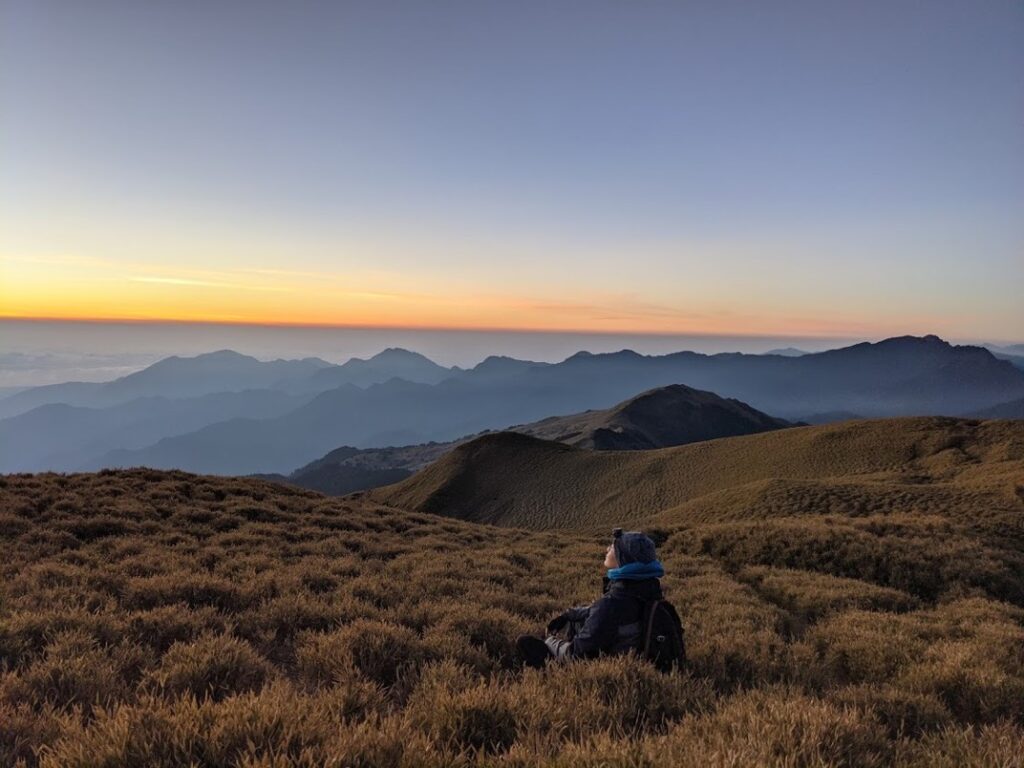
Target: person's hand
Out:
[558,623]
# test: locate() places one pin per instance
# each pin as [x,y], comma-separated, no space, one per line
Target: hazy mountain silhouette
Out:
[1011,410]
[140,409]
[499,367]
[172,377]
[392,363]
[1016,360]
[900,376]
[61,437]
[659,418]
[787,352]
[227,371]
[1009,349]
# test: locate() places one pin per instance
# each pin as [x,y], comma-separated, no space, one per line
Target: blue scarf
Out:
[637,571]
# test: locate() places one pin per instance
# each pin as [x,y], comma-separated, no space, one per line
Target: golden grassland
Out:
[161,618]
[884,464]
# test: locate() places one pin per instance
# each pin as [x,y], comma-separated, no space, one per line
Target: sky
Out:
[811,169]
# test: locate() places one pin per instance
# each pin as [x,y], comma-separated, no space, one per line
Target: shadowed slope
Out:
[518,480]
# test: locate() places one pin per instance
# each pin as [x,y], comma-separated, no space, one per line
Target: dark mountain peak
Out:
[394,358]
[223,354]
[219,357]
[907,347]
[397,354]
[671,415]
[502,364]
[621,355]
[931,340]
[672,392]
[339,454]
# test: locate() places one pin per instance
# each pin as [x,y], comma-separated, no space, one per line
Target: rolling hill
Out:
[512,479]
[668,416]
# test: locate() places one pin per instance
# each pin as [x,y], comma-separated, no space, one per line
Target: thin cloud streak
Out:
[203,283]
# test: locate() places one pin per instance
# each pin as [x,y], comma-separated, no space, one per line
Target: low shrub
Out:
[901,712]
[458,712]
[972,686]
[75,672]
[998,746]
[774,727]
[213,666]
[378,651]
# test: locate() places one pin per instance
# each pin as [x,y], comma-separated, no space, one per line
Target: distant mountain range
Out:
[390,364]
[65,427]
[1009,349]
[227,371]
[660,418]
[65,437]
[401,398]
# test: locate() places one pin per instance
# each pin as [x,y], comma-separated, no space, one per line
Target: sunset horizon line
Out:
[850,336]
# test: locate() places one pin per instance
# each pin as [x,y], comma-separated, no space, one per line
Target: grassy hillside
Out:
[516,480]
[158,618]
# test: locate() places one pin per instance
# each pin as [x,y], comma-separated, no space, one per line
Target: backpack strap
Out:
[652,608]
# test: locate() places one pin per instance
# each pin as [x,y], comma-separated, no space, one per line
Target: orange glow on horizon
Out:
[758,332]
[85,289]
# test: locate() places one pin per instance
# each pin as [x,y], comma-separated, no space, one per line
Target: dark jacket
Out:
[612,625]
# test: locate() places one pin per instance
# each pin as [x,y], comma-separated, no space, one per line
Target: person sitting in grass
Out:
[615,623]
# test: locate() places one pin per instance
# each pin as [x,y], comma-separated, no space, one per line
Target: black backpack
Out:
[661,641]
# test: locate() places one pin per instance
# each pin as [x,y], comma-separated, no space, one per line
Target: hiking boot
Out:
[533,651]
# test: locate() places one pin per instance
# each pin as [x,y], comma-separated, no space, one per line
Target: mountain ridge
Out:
[902,376]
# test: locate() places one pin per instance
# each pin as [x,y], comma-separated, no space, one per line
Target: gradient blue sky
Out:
[819,168]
